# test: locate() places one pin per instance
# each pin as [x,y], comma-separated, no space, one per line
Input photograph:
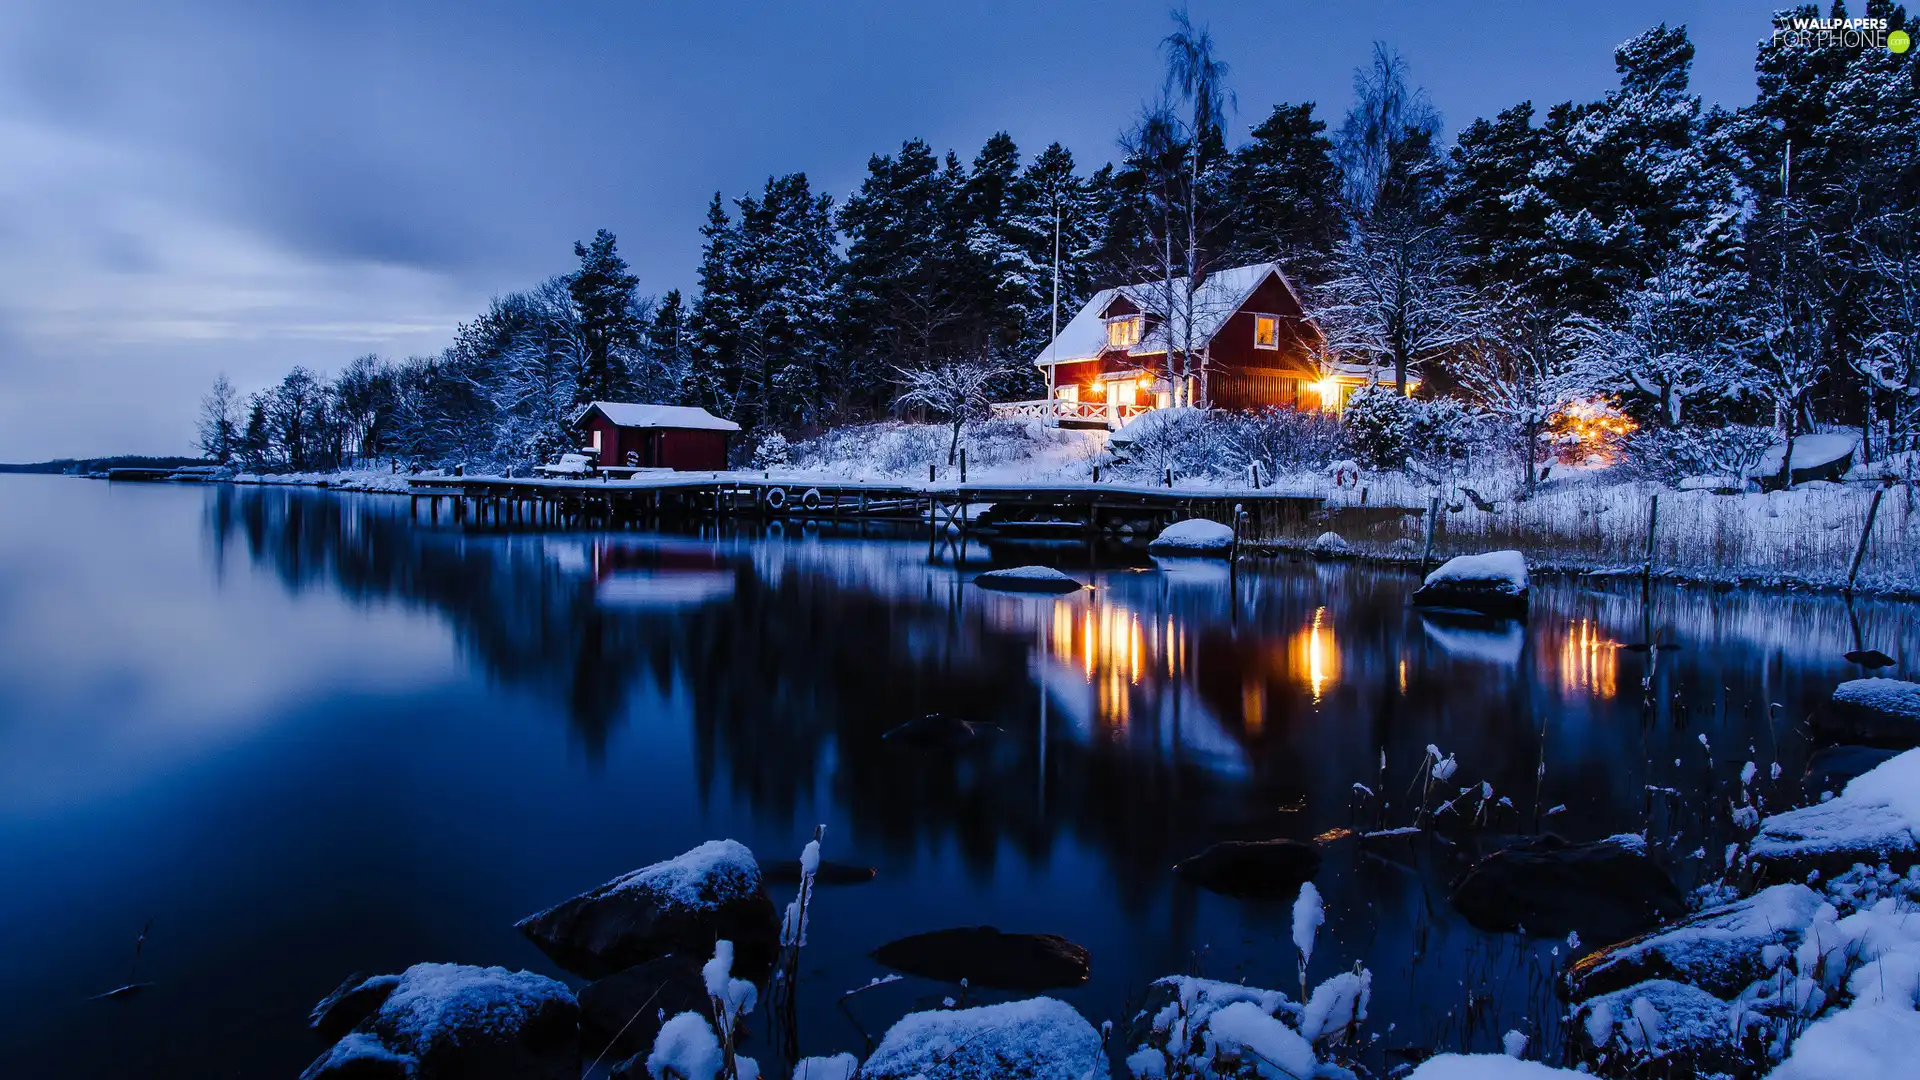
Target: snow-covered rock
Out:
[1331,543]
[1486,1067]
[352,1001]
[1690,1030]
[1194,536]
[1494,583]
[1605,890]
[837,1067]
[1883,711]
[1721,950]
[1832,767]
[1877,818]
[455,1022]
[1035,1039]
[983,956]
[1824,456]
[682,905]
[1243,1040]
[1028,579]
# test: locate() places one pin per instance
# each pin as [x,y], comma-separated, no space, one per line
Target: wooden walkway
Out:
[1063,509]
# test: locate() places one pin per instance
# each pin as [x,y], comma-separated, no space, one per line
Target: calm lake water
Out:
[305,736]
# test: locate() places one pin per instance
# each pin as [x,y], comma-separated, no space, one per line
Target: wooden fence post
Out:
[1653,518]
[1433,520]
[1860,552]
[963,464]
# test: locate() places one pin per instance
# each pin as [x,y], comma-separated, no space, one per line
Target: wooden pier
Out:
[1059,509]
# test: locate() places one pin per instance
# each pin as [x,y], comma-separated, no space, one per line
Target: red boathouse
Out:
[623,434]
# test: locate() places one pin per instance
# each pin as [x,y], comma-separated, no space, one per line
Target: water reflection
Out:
[738,684]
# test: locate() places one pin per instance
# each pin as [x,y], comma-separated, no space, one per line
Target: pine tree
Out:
[1284,189]
[667,370]
[604,300]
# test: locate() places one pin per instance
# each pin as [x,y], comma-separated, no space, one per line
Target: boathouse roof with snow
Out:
[626,434]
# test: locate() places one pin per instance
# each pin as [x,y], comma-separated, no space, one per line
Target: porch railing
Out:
[1057,409]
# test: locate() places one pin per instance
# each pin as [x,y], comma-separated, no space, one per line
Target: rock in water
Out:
[1831,768]
[680,906]
[455,1022]
[1660,1028]
[1876,819]
[1871,659]
[1194,536]
[1606,890]
[1036,1039]
[787,872]
[625,1010]
[1493,584]
[935,732]
[1044,579]
[1253,868]
[984,956]
[351,1002]
[1718,950]
[1885,712]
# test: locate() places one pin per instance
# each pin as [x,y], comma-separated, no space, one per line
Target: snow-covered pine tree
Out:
[665,369]
[1284,188]
[787,266]
[604,295]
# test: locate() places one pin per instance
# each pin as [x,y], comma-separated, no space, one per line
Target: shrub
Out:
[1669,454]
[1381,426]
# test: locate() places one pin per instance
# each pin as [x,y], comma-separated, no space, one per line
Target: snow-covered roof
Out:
[1219,296]
[633,415]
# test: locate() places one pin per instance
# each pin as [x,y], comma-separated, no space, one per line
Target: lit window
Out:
[1266,332]
[596,439]
[1123,332]
[1069,392]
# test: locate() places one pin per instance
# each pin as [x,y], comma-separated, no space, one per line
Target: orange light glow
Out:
[1315,656]
[1589,662]
[1589,430]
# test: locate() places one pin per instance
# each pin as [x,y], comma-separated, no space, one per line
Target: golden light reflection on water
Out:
[1589,661]
[1316,659]
[1113,650]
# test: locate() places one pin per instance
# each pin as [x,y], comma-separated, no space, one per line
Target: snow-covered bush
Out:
[1667,455]
[773,451]
[1283,440]
[1381,426]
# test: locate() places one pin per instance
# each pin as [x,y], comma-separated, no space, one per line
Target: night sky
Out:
[195,187]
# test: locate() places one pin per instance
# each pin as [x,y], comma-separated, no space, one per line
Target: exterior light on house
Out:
[1096,389]
[1146,384]
[1329,391]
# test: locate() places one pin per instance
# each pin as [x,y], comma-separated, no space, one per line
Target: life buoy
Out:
[810,500]
[776,498]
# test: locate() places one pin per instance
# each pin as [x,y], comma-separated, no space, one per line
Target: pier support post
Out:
[1860,552]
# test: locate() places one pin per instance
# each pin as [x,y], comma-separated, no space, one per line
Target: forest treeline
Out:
[1697,265]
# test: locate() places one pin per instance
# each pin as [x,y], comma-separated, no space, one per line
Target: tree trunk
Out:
[953,448]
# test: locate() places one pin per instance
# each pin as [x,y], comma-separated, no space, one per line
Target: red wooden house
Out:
[626,435]
[1246,340]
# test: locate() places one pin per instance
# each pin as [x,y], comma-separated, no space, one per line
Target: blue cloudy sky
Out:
[201,186]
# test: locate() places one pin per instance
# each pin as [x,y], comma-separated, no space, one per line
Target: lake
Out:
[302,735]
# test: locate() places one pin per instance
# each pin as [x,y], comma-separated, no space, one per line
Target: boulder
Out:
[351,1002]
[787,872]
[1689,1031]
[1273,869]
[1883,712]
[682,905]
[1494,583]
[625,1010]
[1832,767]
[455,1022]
[984,956]
[1876,819]
[1871,659]
[1041,579]
[1036,1039]
[1719,951]
[1194,536]
[1487,1067]
[1605,890]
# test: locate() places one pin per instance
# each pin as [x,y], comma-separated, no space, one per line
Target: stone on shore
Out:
[1876,819]
[1883,712]
[1035,1039]
[456,1022]
[1721,950]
